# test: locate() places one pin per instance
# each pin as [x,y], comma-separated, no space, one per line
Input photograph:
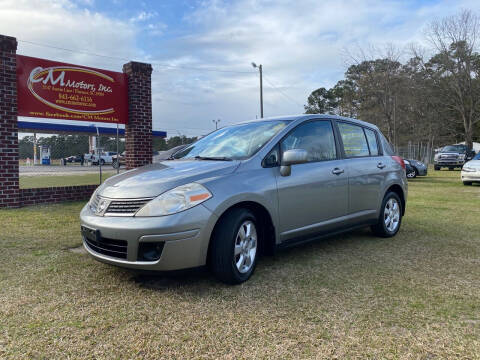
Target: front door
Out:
[315,195]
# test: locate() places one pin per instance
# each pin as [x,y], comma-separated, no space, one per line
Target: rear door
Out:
[315,194]
[366,169]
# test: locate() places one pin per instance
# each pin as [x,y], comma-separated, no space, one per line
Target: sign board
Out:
[49,89]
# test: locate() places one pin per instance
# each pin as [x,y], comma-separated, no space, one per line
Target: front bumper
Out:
[422,171]
[446,163]
[470,176]
[184,238]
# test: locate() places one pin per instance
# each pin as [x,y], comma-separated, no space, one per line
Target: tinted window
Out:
[316,137]
[372,142]
[354,141]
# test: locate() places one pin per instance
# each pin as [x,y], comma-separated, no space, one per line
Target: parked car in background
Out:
[167,154]
[100,157]
[415,168]
[74,159]
[452,156]
[409,170]
[245,189]
[471,171]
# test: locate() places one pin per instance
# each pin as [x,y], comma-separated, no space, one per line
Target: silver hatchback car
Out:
[245,190]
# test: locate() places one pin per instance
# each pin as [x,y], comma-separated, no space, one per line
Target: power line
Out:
[281,92]
[181,67]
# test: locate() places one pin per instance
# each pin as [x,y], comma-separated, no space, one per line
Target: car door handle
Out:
[338,171]
[381,165]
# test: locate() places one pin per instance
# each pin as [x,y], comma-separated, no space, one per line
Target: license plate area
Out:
[91,234]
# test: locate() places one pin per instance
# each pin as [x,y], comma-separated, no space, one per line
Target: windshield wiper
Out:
[216,158]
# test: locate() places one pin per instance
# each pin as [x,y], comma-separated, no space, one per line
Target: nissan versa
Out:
[247,189]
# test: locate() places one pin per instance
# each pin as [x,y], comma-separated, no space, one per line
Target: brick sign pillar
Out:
[138,131]
[9,186]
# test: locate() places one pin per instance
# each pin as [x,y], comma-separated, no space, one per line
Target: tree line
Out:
[433,99]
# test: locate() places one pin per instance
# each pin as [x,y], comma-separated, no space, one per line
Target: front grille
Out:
[125,207]
[109,247]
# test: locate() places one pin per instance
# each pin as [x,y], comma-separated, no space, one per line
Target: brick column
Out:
[9,186]
[138,131]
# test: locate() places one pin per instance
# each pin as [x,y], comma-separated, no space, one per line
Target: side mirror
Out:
[292,157]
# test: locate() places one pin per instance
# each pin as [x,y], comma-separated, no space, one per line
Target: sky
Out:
[201,50]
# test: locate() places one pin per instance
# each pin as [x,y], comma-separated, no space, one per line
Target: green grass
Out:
[39,181]
[352,296]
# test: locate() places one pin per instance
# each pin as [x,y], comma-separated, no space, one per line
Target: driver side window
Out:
[316,137]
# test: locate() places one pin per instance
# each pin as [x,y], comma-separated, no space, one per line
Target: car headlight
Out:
[468,169]
[91,203]
[178,199]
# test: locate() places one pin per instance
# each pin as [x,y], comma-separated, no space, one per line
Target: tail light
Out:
[399,160]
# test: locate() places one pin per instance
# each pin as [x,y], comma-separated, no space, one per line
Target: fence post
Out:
[138,131]
[9,169]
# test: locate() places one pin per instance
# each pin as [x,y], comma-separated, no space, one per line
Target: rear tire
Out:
[451,168]
[233,258]
[436,168]
[102,162]
[467,183]
[391,210]
[115,164]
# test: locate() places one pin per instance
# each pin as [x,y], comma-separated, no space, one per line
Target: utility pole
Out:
[216,123]
[260,68]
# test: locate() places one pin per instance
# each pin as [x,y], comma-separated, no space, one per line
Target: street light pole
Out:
[260,68]
[216,123]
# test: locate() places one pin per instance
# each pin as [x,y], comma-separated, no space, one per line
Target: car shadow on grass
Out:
[200,280]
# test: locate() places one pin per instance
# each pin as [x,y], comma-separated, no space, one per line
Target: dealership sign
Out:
[49,89]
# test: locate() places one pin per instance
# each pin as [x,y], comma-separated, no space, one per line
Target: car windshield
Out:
[454,148]
[235,142]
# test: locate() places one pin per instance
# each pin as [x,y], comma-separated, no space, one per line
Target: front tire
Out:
[390,217]
[234,249]
[436,168]
[466,183]
[412,174]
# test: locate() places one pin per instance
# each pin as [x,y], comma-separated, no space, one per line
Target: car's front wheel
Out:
[412,174]
[467,183]
[234,249]
[390,217]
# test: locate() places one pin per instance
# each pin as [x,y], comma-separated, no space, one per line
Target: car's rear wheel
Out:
[102,162]
[234,249]
[115,164]
[390,217]
[467,183]
[436,167]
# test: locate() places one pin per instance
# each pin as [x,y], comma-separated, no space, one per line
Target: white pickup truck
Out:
[105,157]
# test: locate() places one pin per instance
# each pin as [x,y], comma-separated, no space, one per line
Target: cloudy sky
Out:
[201,51]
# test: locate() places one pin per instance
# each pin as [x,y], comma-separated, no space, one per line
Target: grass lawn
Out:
[352,296]
[39,181]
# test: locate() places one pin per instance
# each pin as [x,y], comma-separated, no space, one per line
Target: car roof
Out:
[302,117]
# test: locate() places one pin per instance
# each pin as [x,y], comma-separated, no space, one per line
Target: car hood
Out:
[473,164]
[152,180]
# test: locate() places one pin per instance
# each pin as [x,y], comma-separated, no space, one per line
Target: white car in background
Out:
[471,171]
[106,157]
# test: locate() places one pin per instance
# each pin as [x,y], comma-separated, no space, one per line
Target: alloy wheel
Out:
[391,215]
[245,248]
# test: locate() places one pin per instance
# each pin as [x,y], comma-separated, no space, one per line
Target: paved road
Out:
[64,170]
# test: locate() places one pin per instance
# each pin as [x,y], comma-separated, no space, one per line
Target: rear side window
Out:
[316,137]
[354,141]
[372,142]
[387,147]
